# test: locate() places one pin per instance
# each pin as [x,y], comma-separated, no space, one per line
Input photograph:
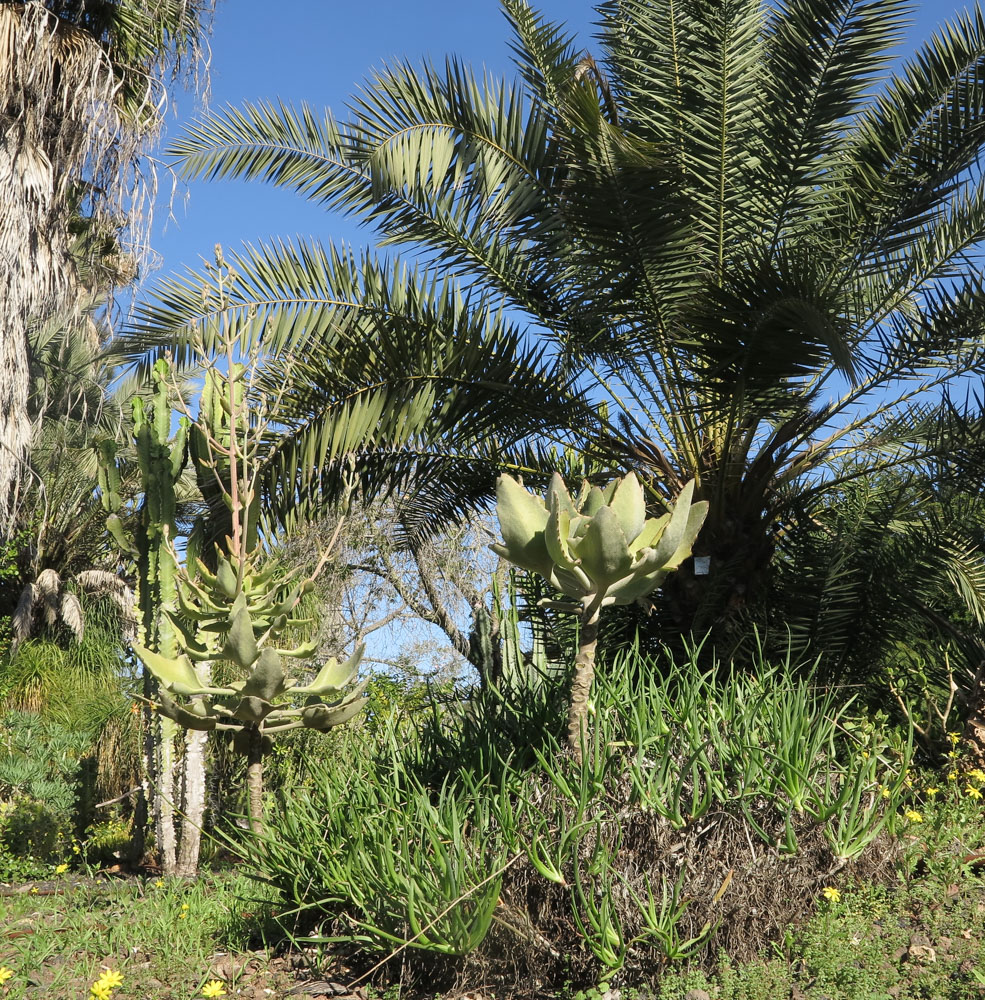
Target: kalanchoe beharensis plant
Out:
[239,617]
[597,549]
[237,608]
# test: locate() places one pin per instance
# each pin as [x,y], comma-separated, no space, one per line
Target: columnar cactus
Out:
[598,549]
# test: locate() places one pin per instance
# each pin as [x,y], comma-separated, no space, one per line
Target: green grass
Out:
[164,936]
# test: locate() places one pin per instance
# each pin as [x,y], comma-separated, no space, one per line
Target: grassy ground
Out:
[167,938]
[171,940]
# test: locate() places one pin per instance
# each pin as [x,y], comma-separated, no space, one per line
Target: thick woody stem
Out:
[254,778]
[581,683]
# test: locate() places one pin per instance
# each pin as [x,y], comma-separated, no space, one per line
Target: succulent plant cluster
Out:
[236,615]
[597,548]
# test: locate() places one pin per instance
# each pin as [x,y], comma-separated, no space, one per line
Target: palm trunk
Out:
[52,80]
[30,262]
[581,684]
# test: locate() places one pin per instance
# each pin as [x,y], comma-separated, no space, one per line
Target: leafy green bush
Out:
[32,829]
[39,770]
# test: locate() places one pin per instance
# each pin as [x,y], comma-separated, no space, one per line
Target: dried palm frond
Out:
[102,581]
[24,613]
[49,585]
[70,611]
[74,123]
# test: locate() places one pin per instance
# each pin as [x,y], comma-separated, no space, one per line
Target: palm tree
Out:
[80,98]
[733,225]
[892,568]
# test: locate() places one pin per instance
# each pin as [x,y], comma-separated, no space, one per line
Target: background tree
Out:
[80,99]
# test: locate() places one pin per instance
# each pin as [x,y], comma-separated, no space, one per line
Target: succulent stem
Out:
[581,683]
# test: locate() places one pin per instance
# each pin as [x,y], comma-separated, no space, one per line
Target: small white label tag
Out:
[701,565]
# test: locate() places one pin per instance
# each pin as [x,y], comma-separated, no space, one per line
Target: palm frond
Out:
[908,151]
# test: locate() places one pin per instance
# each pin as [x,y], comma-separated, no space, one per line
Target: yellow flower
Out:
[108,980]
[931,792]
[885,792]
[952,776]
[75,849]
[5,974]
[953,754]
[912,816]
[977,774]
[213,989]
[34,889]
[159,884]
[182,916]
[831,894]
[61,869]
[97,992]
[954,737]
[184,906]
[972,792]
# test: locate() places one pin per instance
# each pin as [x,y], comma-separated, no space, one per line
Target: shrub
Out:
[703,814]
[31,829]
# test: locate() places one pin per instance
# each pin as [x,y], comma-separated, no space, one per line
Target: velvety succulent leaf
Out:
[522,520]
[629,506]
[593,502]
[267,679]
[653,528]
[322,717]
[196,603]
[194,648]
[178,675]
[334,676]
[604,552]
[695,520]
[226,578]
[673,534]
[633,587]
[303,651]
[197,720]
[558,492]
[252,709]
[286,606]
[241,644]
[572,583]
[556,535]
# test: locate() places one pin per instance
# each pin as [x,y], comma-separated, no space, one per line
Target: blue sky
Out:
[317,51]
